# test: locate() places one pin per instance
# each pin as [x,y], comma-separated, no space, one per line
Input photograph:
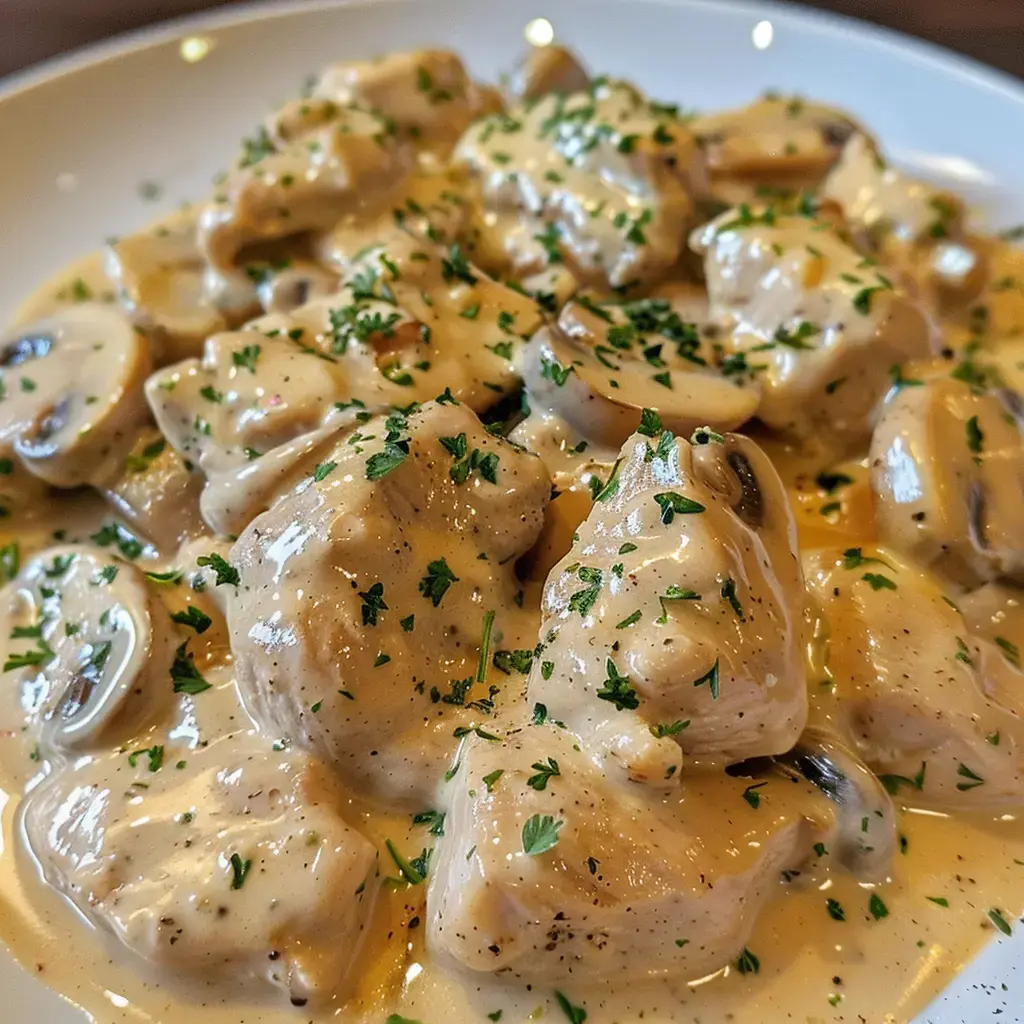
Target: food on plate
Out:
[520,551]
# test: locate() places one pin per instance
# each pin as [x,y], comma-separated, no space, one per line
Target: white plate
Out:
[81,134]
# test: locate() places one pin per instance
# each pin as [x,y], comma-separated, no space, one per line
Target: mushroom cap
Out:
[96,644]
[544,69]
[947,468]
[73,393]
[778,141]
[598,374]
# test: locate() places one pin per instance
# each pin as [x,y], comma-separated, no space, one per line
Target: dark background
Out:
[990,30]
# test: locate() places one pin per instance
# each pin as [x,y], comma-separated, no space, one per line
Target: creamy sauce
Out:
[825,946]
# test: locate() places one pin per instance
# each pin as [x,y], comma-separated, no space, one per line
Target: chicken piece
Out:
[994,614]
[237,867]
[72,394]
[600,365]
[807,317]
[356,634]
[249,394]
[430,205]
[947,469]
[601,179]
[687,569]
[427,94]
[89,648]
[160,280]
[350,164]
[546,69]
[411,321]
[881,203]
[157,492]
[906,684]
[777,142]
[548,873]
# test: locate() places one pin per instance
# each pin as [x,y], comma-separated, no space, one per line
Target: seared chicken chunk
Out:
[367,592]
[803,313]
[906,684]
[349,164]
[947,468]
[426,94]
[575,878]
[237,867]
[603,179]
[410,321]
[673,626]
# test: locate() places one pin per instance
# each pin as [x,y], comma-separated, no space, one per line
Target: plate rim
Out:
[969,70]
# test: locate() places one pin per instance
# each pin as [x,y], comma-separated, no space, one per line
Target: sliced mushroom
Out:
[599,366]
[285,288]
[906,685]
[234,865]
[801,313]
[90,646]
[427,94]
[545,69]
[159,278]
[157,492]
[601,179]
[628,876]
[864,850]
[947,468]
[776,142]
[680,602]
[356,630]
[73,394]
[350,164]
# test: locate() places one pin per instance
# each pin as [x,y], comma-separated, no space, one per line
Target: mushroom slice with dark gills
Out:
[804,314]
[73,400]
[776,142]
[349,164]
[907,686]
[600,365]
[550,872]
[602,179]
[865,839]
[680,602]
[89,646]
[234,867]
[367,593]
[947,469]
[545,69]
[161,281]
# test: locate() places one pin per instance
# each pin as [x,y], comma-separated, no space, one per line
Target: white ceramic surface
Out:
[81,134]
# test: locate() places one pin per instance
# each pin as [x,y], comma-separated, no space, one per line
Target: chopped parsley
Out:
[540,834]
